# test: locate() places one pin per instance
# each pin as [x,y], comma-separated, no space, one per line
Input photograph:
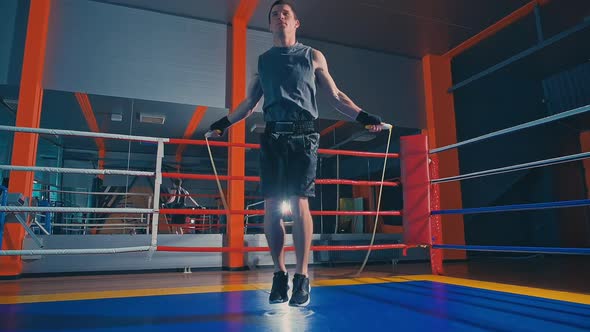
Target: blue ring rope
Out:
[543,250]
[516,207]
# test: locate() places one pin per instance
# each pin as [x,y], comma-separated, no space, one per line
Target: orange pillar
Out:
[28,115]
[88,113]
[237,134]
[440,122]
[193,124]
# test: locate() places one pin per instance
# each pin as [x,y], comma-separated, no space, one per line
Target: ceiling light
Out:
[116,117]
[152,118]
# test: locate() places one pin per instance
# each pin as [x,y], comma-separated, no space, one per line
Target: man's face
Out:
[282,19]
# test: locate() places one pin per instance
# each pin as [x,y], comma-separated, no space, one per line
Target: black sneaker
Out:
[301,290]
[280,286]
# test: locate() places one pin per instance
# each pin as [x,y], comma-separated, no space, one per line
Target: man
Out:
[175,198]
[287,77]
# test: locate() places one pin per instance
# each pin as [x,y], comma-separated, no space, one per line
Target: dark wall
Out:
[565,91]
[13,28]
[509,96]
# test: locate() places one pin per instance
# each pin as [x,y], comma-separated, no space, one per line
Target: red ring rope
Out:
[260,212]
[257,146]
[257,179]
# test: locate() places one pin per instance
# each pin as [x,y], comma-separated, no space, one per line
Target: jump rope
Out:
[384,126]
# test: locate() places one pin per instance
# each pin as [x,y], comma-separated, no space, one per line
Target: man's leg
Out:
[275,233]
[302,232]
[275,236]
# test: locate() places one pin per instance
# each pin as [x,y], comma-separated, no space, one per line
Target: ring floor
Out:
[381,299]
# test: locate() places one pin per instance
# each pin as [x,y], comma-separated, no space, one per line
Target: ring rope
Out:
[514,168]
[75,170]
[547,119]
[82,134]
[14,208]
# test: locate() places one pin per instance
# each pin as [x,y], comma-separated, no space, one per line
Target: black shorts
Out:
[288,164]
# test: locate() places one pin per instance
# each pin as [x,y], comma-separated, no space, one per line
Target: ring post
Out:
[436,255]
[420,228]
[157,185]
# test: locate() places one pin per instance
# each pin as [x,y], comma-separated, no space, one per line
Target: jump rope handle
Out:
[383,125]
[213,133]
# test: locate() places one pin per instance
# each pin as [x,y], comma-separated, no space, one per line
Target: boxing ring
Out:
[415,302]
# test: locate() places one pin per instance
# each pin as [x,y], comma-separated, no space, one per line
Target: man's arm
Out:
[244,109]
[338,99]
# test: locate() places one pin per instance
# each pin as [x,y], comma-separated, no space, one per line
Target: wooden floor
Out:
[563,273]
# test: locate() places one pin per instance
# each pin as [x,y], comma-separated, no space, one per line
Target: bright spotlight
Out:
[285,208]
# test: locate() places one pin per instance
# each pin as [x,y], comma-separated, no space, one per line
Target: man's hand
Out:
[213,133]
[372,122]
[367,119]
[218,127]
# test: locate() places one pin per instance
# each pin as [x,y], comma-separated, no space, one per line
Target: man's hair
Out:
[282,2]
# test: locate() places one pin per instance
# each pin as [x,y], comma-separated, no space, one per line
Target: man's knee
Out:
[299,204]
[271,208]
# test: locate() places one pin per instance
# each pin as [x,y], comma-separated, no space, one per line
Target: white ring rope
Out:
[514,168]
[74,170]
[43,252]
[544,120]
[93,193]
[11,208]
[82,134]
